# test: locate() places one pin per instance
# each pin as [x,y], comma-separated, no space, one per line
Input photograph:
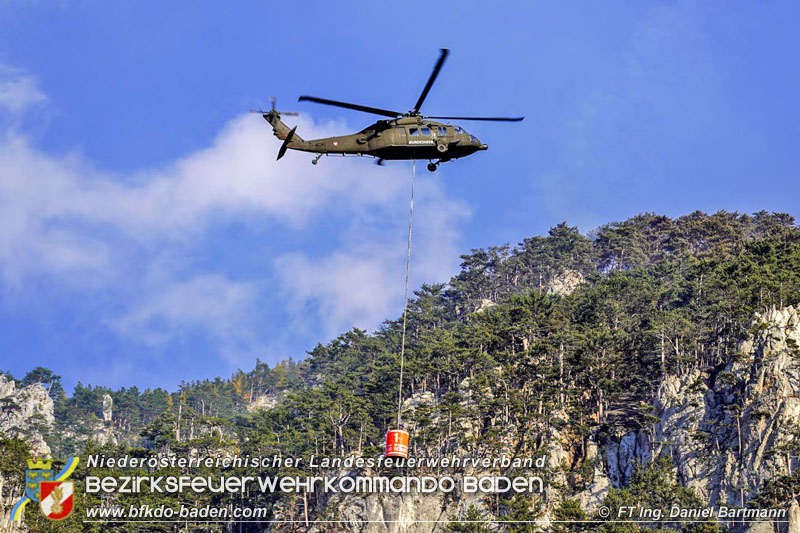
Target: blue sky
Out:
[148,236]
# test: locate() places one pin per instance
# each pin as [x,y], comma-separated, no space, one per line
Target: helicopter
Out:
[402,136]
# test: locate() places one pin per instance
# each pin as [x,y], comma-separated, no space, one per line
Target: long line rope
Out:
[405,298]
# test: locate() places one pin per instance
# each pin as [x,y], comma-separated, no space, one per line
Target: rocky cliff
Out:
[26,413]
[727,432]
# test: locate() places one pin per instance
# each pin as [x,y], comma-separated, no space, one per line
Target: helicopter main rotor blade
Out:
[431,79]
[356,107]
[494,119]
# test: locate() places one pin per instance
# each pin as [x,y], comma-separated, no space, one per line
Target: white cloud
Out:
[346,289]
[18,91]
[237,175]
[87,230]
[201,300]
[362,283]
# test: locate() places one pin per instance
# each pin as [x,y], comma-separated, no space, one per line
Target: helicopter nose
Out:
[484,146]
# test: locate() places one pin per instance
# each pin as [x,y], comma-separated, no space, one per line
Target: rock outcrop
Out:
[724,432]
[108,406]
[794,518]
[103,431]
[266,401]
[409,513]
[564,283]
[26,413]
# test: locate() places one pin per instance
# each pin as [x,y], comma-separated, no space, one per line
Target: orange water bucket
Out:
[397,443]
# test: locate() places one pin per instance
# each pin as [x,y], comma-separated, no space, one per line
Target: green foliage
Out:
[14,454]
[777,491]
[474,521]
[521,512]
[569,516]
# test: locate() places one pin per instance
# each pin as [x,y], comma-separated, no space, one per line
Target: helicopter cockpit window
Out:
[414,132]
[442,131]
[459,129]
[425,131]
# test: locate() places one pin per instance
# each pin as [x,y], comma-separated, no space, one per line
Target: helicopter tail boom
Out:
[283,132]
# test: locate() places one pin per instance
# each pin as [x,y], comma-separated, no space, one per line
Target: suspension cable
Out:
[405,298]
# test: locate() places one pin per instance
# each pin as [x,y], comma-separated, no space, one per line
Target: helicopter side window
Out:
[425,131]
[442,131]
[413,132]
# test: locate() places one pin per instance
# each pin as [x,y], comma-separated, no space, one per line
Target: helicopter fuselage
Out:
[403,138]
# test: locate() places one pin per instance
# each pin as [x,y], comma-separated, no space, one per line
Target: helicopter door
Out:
[401,136]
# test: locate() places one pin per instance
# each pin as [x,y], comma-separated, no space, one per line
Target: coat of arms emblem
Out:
[56,502]
[37,472]
[52,491]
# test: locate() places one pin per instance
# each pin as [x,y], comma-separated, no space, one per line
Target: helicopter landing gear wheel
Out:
[432,167]
[316,159]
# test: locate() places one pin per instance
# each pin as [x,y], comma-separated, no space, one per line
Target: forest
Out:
[564,331]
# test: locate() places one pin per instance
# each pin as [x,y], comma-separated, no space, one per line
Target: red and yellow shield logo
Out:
[56,501]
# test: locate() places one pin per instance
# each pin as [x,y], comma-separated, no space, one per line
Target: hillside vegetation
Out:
[566,332]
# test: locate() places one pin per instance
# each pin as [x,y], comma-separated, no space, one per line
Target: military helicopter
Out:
[409,135]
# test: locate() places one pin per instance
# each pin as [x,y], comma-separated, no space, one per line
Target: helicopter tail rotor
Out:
[285,145]
[280,129]
[273,111]
[288,113]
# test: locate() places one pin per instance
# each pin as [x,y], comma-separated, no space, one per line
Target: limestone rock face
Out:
[418,401]
[761,527]
[103,434]
[564,283]
[402,513]
[7,387]
[720,430]
[266,401]
[794,518]
[103,431]
[484,305]
[391,515]
[26,413]
[592,497]
[108,406]
[623,455]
